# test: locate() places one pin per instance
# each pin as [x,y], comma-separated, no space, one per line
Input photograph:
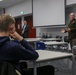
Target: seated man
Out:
[11,51]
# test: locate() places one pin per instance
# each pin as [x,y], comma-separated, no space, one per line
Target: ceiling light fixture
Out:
[1,0]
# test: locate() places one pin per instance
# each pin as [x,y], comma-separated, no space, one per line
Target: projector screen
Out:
[48,12]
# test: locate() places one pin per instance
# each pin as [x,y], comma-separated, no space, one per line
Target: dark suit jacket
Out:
[25,35]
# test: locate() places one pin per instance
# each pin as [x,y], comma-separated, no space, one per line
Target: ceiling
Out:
[8,3]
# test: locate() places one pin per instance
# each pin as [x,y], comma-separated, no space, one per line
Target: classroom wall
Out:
[25,6]
[54,31]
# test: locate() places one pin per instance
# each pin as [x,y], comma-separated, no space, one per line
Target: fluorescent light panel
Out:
[1,0]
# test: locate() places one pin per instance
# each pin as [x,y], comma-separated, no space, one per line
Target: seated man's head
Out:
[7,24]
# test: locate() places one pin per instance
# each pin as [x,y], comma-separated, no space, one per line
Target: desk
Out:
[55,43]
[50,39]
[52,43]
[45,56]
[33,40]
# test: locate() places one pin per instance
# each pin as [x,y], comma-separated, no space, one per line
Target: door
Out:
[32,31]
[18,25]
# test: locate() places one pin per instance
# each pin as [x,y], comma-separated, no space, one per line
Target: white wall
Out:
[53,31]
[15,10]
[56,31]
[26,6]
[69,2]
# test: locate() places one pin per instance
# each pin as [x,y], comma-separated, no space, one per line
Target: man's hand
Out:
[16,36]
[22,32]
[68,29]
[63,30]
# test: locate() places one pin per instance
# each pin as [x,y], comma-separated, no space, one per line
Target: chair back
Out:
[7,68]
[66,39]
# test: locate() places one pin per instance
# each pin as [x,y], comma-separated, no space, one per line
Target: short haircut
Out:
[72,14]
[5,21]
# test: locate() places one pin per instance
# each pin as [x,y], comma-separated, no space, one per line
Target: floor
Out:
[61,66]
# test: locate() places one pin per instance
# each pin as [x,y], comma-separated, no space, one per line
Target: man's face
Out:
[25,22]
[72,16]
[12,28]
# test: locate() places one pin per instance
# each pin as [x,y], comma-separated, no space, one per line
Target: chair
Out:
[59,37]
[66,39]
[65,47]
[74,50]
[6,68]
[40,45]
[44,35]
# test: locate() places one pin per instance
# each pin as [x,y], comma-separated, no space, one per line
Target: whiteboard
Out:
[48,12]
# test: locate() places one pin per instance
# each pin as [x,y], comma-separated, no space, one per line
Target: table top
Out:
[45,55]
[50,39]
[32,39]
[54,43]
[40,39]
